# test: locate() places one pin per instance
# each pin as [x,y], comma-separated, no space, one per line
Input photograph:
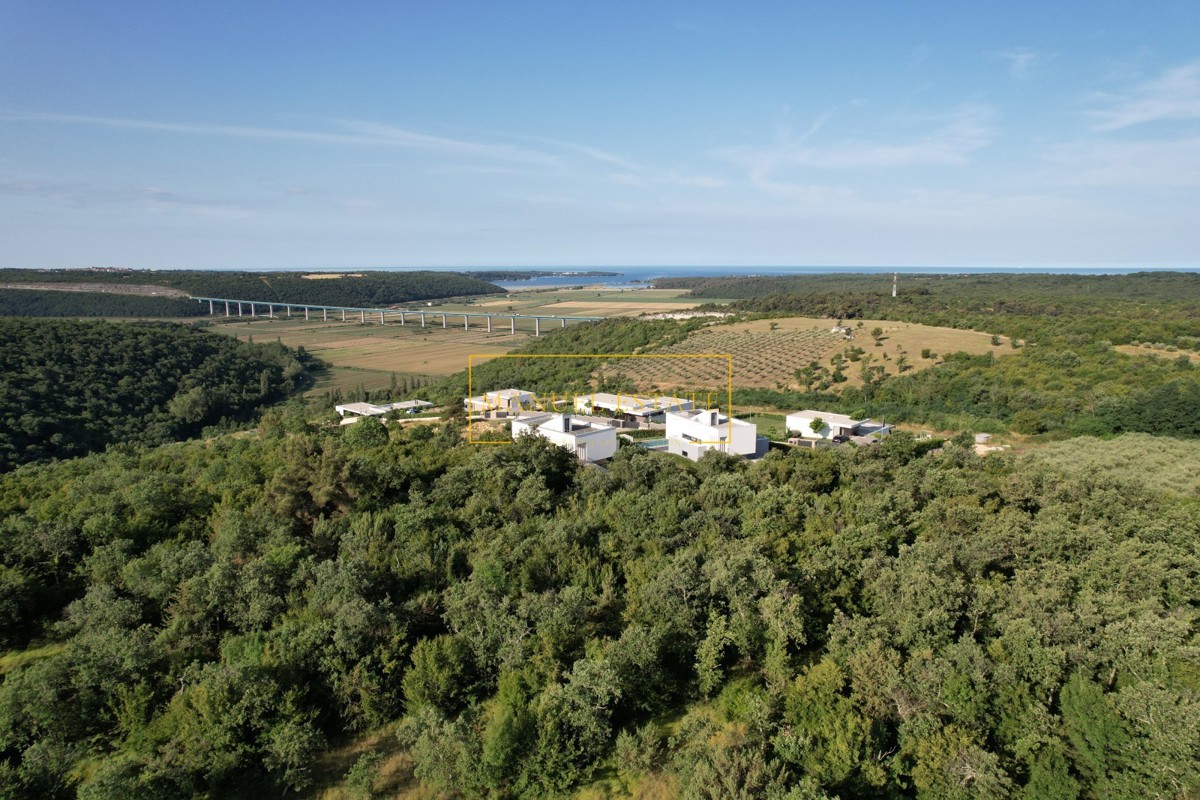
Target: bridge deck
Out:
[434,311]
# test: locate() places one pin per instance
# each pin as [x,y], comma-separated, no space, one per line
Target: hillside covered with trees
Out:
[205,619]
[69,387]
[51,303]
[356,289]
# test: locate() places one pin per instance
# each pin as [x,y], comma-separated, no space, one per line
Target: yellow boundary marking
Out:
[728,380]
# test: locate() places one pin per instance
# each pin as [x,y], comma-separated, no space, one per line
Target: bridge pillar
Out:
[564,323]
[253,313]
[227,308]
[239,308]
[325,315]
[289,308]
[380,317]
[465,326]
[443,320]
[512,325]
[401,317]
[537,326]
[210,308]
[343,315]
[306,313]
[364,317]
[422,319]
[489,319]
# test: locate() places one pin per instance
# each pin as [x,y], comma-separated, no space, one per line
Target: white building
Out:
[502,401]
[693,433]
[589,441]
[833,425]
[352,412]
[640,409]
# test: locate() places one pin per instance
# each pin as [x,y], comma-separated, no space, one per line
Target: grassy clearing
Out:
[20,658]
[1157,352]
[394,773]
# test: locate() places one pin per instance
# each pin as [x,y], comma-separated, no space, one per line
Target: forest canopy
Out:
[71,387]
[206,619]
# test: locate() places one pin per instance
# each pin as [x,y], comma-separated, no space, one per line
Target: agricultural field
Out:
[369,355]
[596,302]
[766,353]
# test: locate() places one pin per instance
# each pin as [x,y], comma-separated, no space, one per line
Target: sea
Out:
[632,277]
[635,277]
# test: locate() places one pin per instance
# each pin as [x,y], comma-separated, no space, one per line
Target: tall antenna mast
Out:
[895,279]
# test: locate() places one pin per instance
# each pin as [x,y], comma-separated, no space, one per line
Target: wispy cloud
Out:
[1023,62]
[1172,96]
[587,151]
[1157,164]
[145,198]
[699,181]
[949,142]
[347,132]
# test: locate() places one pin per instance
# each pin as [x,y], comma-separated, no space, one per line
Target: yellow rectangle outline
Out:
[728,375]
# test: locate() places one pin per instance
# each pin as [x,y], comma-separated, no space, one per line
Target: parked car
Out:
[840,439]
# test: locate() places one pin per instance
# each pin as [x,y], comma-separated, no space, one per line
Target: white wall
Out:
[802,424]
[741,437]
[598,443]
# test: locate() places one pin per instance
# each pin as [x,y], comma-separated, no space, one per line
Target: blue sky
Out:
[301,134]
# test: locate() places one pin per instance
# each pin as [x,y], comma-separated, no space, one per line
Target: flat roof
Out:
[702,417]
[403,404]
[632,403]
[366,409]
[579,426]
[828,417]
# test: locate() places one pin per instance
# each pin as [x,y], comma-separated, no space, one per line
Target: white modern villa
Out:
[353,412]
[589,441]
[501,402]
[691,434]
[832,425]
[631,407]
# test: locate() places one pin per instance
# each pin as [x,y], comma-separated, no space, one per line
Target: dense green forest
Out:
[205,618]
[72,387]
[356,289]
[49,303]
[1145,307]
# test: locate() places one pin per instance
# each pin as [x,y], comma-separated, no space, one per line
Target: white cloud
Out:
[700,181]
[950,141]
[1159,164]
[1173,95]
[1022,61]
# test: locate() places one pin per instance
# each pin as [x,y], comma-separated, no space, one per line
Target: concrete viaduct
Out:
[235,308]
